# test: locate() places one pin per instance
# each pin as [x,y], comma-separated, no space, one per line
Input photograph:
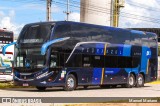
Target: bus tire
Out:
[85,86]
[113,86]
[105,86]
[41,88]
[70,83]
[140,81]
[131,81]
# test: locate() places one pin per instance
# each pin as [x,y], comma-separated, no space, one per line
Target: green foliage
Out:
[4,85]
[6,60]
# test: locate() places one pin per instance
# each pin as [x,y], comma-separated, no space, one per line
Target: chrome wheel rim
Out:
[131,81]
[70,82]
[140,80]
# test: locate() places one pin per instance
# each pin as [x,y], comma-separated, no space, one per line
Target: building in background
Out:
[101,12]
[96,12]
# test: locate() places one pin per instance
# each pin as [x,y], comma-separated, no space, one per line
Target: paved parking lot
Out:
[150,90]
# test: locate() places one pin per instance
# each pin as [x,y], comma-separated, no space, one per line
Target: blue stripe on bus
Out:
[100,49]
[127,50]
[111,70]
[97,74]
[47,44]
[120,50]
[128,70]
[137,32]
[135,70]
[146,54]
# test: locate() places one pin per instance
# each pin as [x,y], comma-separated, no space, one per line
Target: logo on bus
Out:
[148,53]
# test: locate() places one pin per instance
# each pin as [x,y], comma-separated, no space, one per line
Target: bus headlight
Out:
[42,75]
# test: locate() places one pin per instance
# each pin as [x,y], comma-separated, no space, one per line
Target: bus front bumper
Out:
[43,82]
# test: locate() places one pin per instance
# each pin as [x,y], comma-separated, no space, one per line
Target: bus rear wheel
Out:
[70,83]
[113,86]
[140,81]
[85,86]
[41,88]
[105,86]
[131,81]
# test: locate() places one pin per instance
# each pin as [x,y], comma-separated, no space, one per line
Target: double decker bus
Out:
[6,37]
[71,54]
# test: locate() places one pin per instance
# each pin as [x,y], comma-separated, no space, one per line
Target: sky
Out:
[14,14]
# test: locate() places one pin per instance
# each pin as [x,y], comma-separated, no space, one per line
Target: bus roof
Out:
[148,30]
[5,30]
[134,31]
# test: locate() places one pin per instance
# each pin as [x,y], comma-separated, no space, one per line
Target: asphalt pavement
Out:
[149,90]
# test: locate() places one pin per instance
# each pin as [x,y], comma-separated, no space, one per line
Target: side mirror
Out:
[47,44]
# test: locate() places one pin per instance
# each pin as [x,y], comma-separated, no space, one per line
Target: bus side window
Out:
[111,61]
[98,61]
[135,61]
[74,61]
[54,59]
[61,59]
[124,62]
[86,61]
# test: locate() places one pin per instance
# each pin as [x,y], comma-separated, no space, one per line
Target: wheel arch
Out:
[133,74]
[143,75]
[75,74]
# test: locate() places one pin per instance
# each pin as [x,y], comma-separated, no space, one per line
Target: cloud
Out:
[74,17]
[6,21]
[41,7]
[55,8]
[1,14]
[33,7]
[139,16]
[12,13]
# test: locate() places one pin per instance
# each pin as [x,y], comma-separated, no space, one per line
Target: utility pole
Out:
[68,11]
[116,10]
[49,10]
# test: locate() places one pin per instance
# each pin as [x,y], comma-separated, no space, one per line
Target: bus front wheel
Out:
[140,81]
[41,88]
[70,83]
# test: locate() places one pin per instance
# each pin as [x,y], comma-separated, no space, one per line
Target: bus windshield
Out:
[38,33]
[32,37]
[29,58]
